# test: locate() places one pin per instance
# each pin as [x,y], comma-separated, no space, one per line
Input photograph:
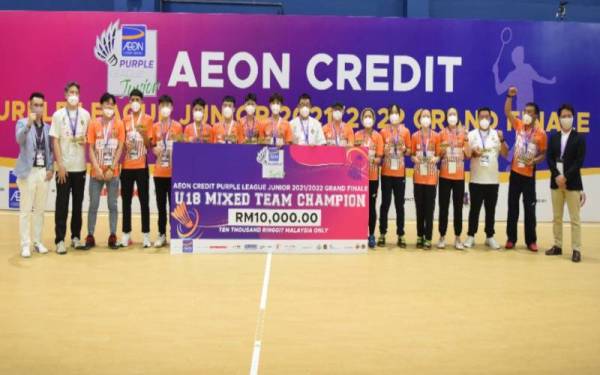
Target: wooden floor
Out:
[392,311]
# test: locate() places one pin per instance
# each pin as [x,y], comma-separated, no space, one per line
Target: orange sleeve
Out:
[543,141]
[289,138]
[349,135]
[91,133]
[413,143]
[239,132]
[407,141]
[379,146]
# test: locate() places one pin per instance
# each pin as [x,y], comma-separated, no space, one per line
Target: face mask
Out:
[227,112]
[425,122]
[452,120]
[394,118]
[368,122]
[484,123]
[566,123]
[527,119]
[198,116]
[73,100]
[108,112]
[37,110]
[337,115]
[165,112]
[136,106]
[304,111]
[275,108]
[250,109]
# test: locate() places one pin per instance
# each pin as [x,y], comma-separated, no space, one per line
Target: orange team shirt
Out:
[393,141]
[528,145]
[227,134]
[135,150]
[425,146]
[375,145]
[249,130]
[106,140]
[165,135]
[276,133]
[192,134]
[453,160]
[340,135]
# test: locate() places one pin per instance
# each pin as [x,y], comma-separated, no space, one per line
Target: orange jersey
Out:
[135,150]
[338,135]
[528,145]
[198,134]
[249,130]
[276,132]
[374,144]
[424,148]
[395,142]
[164,135]
[106,140]
[452,150]
[232,133]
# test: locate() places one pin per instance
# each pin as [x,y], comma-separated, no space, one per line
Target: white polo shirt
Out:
[307,132]
[73,154]
[484,169]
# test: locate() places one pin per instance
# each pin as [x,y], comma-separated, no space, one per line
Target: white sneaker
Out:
[147,242]
[458,245]
[470,242]
[491,243]
[40,248]
[25,252]
[441,243]
[61,248]
[161,241]
[125,240]
[76,243]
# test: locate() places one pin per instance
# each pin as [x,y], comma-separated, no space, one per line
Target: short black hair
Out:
[337,105]
[165,99]
[106,97]
[228,98]
[276,97]
[250,96]
[483,109]
[36,94]
[199,101]
[567,107]
[71,84]
[304,96]
[136,92]
[536,108]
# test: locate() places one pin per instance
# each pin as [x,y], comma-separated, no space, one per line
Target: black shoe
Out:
[576,256]
[401,242]
[555,250]
[420,242]
[381,241]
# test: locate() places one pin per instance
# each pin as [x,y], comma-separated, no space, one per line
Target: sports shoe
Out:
[160,241]
[371,242]
[40,248]
[469,242]
[509,245]
[90,242]
[458,245]
[112,241]
[401,242]
[441,243]
[61,248]
[381,241]
[491,243]
[125,240]
[147,242]
[25,251]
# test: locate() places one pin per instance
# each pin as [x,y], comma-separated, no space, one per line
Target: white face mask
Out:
[527,119]
[165,112]
[368,122]
[484,124]
[395,118]
[198,116]
[425,122]
[227,112]
[136,106]
[37,110]
[304,111]
[275,108]
[108,112]
[453,120]
[566,123]
[337,115]
[250,109]
[73,99]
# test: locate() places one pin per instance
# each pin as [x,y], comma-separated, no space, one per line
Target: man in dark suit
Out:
[565,155]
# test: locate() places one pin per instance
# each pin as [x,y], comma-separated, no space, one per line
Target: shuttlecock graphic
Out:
[105,44]
[181,214]
[187,220]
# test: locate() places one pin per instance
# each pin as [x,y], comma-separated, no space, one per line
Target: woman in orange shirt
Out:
[372,140]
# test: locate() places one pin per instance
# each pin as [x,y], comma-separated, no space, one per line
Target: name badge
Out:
[279,141]
[107,158]
[134,153]
[394,163]
[39,158]
[165,159]
[484,160]
[343,143]
[452,166]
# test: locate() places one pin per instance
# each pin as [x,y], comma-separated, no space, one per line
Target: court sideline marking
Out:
[260,323]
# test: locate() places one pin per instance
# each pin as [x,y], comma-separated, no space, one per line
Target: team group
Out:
[118,157]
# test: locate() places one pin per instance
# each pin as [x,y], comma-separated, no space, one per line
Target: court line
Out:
[260,323]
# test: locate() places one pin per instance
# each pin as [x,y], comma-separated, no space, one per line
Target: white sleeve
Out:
[320,136]
[55,126]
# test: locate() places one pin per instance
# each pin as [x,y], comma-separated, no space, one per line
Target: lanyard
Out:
[275,129]
[250,130]
[425,145]
[483,139]
[201,131]
[453,137]
[367,140]
[40,141]
[106,132]
[526,138]
[134,123]
[305,129]
[166,134]
[73,123]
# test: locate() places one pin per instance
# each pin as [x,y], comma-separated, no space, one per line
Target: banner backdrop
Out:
[360,61]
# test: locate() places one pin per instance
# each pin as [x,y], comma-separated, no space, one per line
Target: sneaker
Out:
[61,248]
[112,241]
[25,251]
[420,241]
[125,240]
[401,242]
[160,241]
[40,248]
[371,242]
[381,241]
[458,245]
[533,247]
[491,243]
[426,244]
[469,242]
[441,243]
[76,244]
[90,242]
[509,245]
[147,242]
[555,250]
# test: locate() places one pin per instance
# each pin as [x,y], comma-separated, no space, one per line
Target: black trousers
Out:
[373,187]
[425,205]
[456,188]
[392,185]
[162,185]
[486,195]
[75,185]
[141,178]
[518,185]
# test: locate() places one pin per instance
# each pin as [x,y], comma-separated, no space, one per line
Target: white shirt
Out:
[73,154]
[484,169]
[564,137]
[310,129]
